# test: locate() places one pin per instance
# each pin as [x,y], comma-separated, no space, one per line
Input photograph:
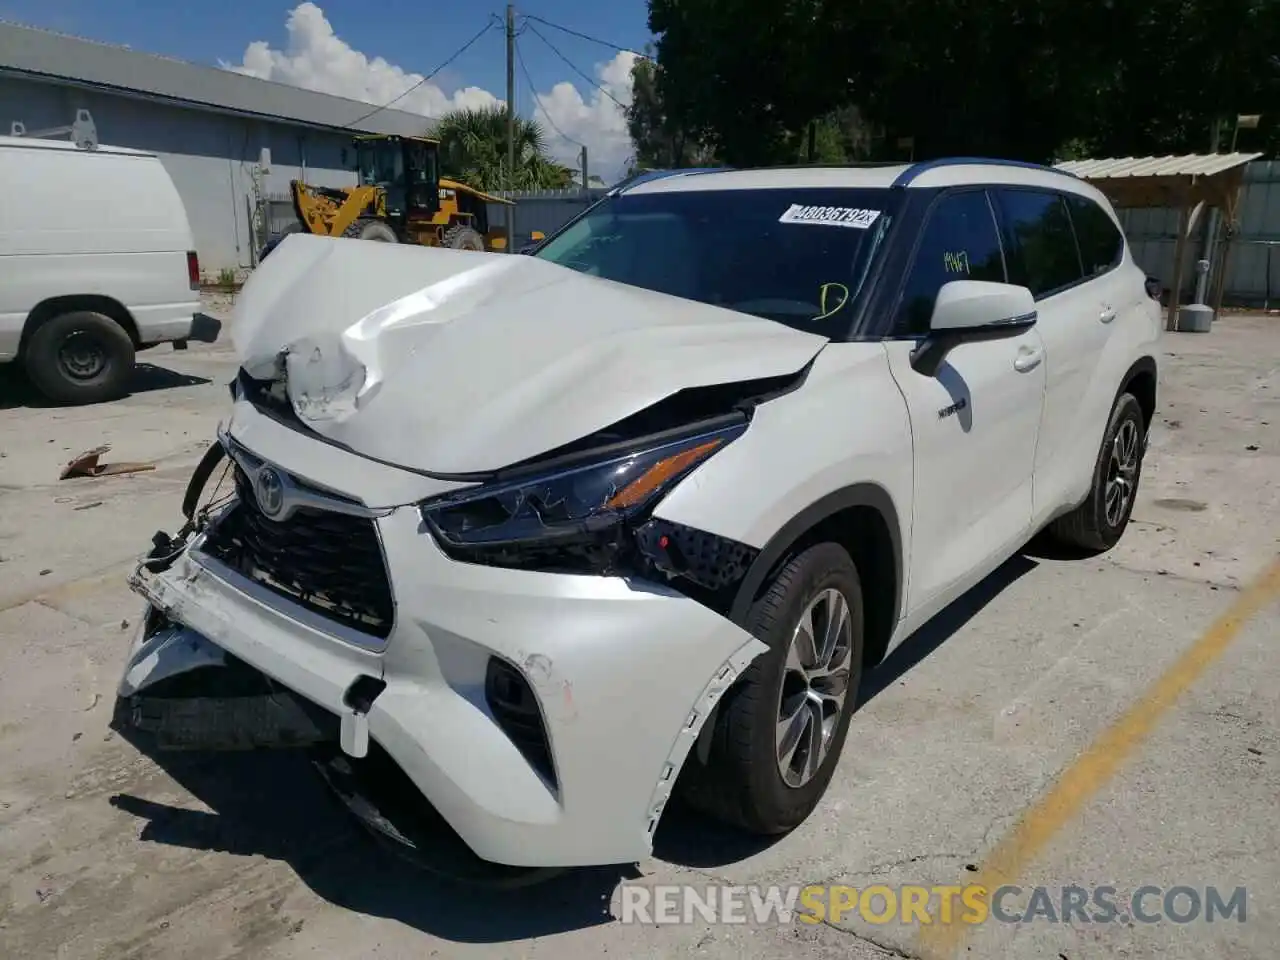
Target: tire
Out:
[279,239]
[80,357]
[462,237]
[1092,526]
[371,230]
[743,782]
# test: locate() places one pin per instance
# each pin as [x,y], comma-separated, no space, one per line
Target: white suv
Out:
[550,533]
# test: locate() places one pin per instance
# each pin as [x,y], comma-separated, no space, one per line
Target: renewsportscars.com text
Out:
[908,904]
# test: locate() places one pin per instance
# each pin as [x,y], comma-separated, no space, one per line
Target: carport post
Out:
[1224,258]
[1179,251]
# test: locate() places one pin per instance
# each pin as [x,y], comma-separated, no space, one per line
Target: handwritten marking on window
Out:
[831,299]
[956,261]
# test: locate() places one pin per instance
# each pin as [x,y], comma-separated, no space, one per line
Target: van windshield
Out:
[798,257]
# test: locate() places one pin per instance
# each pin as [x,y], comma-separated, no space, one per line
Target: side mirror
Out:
[970,311]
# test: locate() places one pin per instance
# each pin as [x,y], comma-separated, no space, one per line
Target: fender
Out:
[777,550]
[1144,364]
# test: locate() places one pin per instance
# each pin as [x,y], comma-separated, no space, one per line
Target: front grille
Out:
[330,563]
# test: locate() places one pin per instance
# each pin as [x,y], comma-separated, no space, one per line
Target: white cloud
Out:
[315,57]
[597,121]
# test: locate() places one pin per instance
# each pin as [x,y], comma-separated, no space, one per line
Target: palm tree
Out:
[473,149]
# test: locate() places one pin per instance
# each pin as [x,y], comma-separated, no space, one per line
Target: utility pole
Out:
[511,121]
[586,180]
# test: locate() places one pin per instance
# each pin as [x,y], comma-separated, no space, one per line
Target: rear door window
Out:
[1099,239]
[1042,245]
[959,242]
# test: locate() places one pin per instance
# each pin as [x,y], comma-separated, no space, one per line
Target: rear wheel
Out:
[371,230]
[779,732]
[1098,523]
[462,237]
[80,357]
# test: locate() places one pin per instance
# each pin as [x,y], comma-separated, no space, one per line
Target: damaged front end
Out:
[186,693]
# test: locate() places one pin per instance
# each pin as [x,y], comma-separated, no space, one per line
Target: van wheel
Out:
[80,357]
[779,731]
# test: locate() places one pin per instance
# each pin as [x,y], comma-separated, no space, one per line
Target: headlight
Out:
[578,517]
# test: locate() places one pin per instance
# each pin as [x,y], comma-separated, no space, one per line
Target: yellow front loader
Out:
[401,198]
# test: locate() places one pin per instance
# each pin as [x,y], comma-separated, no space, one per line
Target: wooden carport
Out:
[1190,184]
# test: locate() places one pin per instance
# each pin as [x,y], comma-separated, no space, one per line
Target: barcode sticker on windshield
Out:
[830,216]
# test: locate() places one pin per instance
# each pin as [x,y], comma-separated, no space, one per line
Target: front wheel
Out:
[779,732]
[1098,523]
[371,230]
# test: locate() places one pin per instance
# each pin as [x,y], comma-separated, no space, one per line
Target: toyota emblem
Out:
[269,489]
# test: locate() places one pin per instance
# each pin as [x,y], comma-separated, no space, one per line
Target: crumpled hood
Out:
[457,362]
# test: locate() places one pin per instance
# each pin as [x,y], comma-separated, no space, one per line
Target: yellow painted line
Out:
[1100,761]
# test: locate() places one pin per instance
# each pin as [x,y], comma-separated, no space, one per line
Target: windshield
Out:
[381,162]
[798,257]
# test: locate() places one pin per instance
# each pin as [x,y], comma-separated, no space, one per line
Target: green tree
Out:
[473,150]
[659,141]
[1013,78]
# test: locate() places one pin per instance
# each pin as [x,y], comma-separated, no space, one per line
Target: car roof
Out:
[947,172]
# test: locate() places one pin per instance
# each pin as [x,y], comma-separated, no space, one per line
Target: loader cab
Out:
[407,169]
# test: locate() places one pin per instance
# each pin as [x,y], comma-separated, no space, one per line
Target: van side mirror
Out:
[970,311]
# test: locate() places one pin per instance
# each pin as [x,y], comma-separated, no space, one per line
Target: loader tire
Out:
[278,239]
[371,230]
[80,357]
[462,237]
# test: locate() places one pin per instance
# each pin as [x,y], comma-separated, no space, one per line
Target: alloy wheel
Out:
[815,684]
[1122,472]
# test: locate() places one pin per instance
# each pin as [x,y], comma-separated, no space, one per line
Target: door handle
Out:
[1108,314]
[1027,359]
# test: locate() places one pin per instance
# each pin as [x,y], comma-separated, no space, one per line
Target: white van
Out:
[96,262]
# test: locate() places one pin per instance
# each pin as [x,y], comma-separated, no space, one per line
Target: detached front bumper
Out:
[623,675]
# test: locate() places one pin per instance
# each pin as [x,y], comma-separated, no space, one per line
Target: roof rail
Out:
[82,132]
[650,175]
[924,166]
[851,165]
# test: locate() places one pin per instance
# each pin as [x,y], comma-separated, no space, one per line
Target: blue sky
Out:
[414,36]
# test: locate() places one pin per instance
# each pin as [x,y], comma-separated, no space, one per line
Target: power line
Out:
[537,33]
[538,100]
[456,54]
[584,36]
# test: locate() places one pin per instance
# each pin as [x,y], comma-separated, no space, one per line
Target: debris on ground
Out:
[87,465]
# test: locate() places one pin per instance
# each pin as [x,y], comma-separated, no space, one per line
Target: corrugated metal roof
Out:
[42,55]
[1192,164]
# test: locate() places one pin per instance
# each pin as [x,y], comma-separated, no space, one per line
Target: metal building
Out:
[227,140]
